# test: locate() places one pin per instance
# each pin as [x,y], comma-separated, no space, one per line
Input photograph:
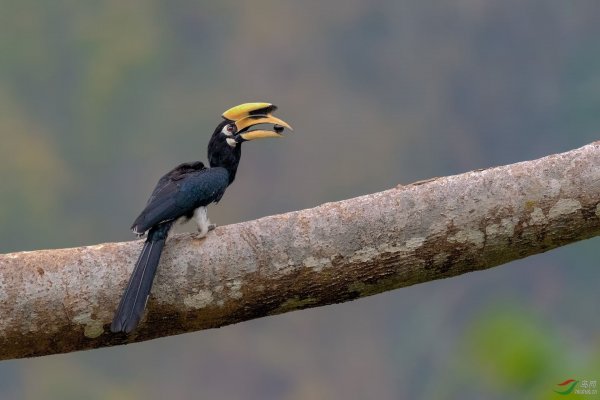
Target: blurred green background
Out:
[99,98]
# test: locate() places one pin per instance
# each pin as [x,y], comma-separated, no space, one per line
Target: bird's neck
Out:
[224,156]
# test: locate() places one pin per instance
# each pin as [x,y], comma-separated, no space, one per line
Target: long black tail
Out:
[133,302]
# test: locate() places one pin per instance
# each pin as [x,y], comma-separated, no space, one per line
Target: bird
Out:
[184,193]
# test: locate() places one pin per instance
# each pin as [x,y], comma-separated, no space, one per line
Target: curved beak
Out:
[246,123]
[247,115]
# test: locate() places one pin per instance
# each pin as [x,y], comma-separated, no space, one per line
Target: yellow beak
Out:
[249,114]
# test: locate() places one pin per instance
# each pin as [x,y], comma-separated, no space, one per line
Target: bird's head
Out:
[242,123]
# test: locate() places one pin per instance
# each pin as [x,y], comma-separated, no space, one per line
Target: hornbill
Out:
[184,193]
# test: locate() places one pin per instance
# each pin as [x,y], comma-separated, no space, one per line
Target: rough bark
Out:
[56,301]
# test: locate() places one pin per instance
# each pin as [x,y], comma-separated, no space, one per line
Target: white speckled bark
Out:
[55,301]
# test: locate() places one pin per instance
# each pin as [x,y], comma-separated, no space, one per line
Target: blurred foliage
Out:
[98,99]
[511,350]
[519,356]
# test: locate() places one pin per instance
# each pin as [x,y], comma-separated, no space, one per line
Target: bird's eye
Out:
[229,130]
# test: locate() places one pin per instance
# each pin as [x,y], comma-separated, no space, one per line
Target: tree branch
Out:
[56,301]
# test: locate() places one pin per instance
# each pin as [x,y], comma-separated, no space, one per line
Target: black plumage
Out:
[133,301]
[185,191]
[177,194]
[180,192]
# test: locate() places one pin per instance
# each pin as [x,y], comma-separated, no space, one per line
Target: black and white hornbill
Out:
[184,193]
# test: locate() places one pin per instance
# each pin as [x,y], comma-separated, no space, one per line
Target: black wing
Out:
[175,174]
[180,192]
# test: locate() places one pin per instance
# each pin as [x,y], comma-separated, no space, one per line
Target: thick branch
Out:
[56,301]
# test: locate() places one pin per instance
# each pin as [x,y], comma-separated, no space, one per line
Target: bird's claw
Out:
[203,231]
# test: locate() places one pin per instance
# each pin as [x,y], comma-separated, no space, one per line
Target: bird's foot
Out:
[203,231]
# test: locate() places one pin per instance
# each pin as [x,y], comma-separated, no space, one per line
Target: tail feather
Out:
[133,302]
